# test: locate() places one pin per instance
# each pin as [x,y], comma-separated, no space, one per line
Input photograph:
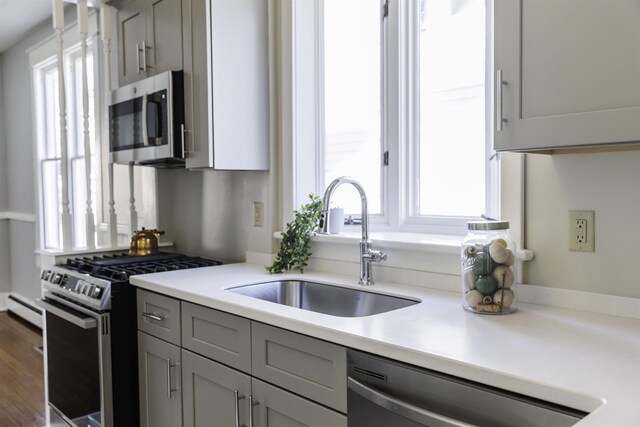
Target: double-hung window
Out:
[138,205]
[49,161]
[401,89]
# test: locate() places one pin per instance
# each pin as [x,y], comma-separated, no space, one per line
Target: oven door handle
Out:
[84,323]
[405,409]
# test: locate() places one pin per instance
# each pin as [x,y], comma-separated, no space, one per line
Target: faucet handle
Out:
[373,255]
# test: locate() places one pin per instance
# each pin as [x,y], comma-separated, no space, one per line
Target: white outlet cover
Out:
[588,243]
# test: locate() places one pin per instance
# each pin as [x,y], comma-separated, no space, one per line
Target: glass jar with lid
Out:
[489,268]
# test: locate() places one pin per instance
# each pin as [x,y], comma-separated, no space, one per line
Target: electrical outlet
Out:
[582,227]
[258,214]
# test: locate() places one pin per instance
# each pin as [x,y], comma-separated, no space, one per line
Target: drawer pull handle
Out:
[500,120]
[153,317]
[251,405]
[238,398]
[170,389]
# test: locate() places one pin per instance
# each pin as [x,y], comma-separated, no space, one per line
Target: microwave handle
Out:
[145,121]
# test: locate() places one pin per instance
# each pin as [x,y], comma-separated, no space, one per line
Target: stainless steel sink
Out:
[321,298]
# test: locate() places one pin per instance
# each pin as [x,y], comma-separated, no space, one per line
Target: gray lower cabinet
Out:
[160,379]
[217,335]
[213,394]
[201,367]
[307,366]
[275,407]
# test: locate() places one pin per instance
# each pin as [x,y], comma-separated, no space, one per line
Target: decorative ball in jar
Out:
[488,268]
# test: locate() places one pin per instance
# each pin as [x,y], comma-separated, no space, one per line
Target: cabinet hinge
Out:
[385,9]
[385,158]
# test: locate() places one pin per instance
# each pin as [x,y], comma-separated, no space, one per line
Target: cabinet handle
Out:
[138,57]
[144,55]
[153,317]
[145,122]
[169,388]
[251,405]
[237,403]
[499,83]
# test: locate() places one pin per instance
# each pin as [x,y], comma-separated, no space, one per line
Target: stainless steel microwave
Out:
[146,121]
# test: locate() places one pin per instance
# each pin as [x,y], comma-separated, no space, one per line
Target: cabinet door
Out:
[196,86]
[160,382]
[307,366]
[229,113]
[277,408]
[131,34]
[571,69]
[164,35]
[213,393]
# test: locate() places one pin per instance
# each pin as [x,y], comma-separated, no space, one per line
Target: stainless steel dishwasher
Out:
[386,393]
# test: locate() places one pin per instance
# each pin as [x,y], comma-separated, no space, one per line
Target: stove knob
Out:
[89,291]
[45,275]
[97,292]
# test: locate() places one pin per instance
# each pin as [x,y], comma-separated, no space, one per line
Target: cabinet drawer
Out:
[307,366]
[159,316]
[278,408]
[220,336]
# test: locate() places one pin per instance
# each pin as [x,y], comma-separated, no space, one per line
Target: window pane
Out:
[452,108]
[352,99]
[79,197]
[52,207]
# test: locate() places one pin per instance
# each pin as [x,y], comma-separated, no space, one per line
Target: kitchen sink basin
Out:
[322,298]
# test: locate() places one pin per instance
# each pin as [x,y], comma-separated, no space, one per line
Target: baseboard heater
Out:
[23,308]
[25,304]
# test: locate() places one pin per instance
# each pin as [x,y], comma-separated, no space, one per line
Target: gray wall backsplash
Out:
[210,213]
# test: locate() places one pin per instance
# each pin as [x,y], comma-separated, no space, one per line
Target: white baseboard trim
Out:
[25,308]
[18,216]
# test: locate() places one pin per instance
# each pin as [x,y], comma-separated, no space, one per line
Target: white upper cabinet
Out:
[227,82]
[570,74]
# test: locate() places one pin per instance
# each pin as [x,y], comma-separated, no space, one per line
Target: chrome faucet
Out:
[367,255]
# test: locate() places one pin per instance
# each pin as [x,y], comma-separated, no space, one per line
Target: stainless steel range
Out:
[90,335]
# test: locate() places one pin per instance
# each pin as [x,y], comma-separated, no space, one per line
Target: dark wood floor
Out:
[21,373]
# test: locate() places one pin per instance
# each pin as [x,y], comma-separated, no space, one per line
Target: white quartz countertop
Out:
[581,360]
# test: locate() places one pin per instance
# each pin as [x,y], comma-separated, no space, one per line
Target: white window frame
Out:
[42,56]
[299,59]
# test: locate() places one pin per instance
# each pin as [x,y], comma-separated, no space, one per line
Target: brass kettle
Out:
[144,242]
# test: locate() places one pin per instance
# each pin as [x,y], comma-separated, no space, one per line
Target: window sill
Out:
[418,242]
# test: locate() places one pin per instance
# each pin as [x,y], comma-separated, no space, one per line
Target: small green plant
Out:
[294,250]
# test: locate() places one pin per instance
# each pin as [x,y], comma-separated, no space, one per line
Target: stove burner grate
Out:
[120,267]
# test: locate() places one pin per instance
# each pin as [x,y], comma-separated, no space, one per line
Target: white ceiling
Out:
[17,17]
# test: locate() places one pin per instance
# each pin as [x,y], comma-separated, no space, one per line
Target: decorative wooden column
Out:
[83,30]
[105,30]
[67,226]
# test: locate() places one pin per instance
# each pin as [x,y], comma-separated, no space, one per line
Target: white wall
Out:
[5,270]
[15,87]
[605,182]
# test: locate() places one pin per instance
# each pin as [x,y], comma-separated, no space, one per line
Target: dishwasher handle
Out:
[407,410]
